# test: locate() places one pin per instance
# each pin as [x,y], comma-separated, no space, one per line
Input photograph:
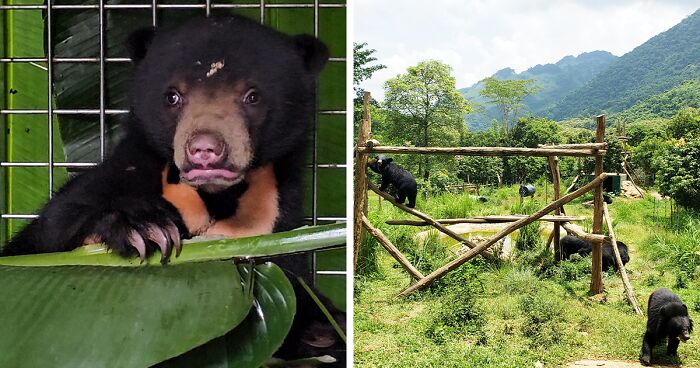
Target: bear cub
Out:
[667,318]
[573,245]
[399,177]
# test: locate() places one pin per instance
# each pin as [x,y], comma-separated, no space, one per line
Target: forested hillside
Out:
[555,81]
[664,61]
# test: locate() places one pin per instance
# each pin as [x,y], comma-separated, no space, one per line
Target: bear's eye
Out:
[173,98]
[251,97]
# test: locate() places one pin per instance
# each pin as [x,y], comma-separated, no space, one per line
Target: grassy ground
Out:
[514,314]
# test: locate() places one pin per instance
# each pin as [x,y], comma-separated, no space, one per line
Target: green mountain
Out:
[663,62]
[666,104]
[555,81]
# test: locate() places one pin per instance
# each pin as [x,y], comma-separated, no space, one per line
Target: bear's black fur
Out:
[214,103]
[573,245]
[667,318]
[396,175]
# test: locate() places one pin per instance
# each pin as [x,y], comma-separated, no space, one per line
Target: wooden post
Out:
[386,243]
[597,255]
[556,233]
[440,272]
[620,266]
[360,209]
[426,218]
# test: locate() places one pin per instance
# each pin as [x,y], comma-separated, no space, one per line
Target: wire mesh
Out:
[103,111]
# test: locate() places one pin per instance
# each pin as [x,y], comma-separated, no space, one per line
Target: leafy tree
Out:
[424,108]
[645,129]
[363,69]
[508,95]
[529,132]
[679,174]
[648,155]
[686,123]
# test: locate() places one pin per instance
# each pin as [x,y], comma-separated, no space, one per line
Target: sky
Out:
[479,37]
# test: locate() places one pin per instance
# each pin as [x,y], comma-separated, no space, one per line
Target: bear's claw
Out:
[136,241]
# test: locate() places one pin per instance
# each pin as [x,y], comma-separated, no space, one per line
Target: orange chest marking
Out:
[256,214]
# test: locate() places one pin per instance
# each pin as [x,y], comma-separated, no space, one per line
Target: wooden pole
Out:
[597,254]
[632,181]
[484,220]
[425,218]
[601,146]
[620,266]
[398,256]
[563,212]
[579,233]
[556,233]
[360,209]
[482,151]
[440,272]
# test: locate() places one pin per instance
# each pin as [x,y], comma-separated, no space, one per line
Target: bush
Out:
[679,174]
[543,313]
[575,269]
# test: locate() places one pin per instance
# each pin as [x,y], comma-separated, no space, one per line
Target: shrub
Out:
[543,313]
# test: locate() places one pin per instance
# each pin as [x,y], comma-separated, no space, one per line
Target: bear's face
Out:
[222,95]
[679,324]
[379,163]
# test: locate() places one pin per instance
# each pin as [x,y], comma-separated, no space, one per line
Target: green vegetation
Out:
[515,313]
[508,96]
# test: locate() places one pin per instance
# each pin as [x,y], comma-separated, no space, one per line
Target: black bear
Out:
[573,245]
[215,144]
[396,175]
[667,318]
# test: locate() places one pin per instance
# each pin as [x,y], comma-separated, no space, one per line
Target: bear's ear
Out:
[389,159]
[314,52]
[138,42]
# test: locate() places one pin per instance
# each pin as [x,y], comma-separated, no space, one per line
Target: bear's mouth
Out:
[212,179]
[683,337]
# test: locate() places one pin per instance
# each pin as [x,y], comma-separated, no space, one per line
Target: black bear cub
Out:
[397,176]
[215,144]
[573,245]
[667,318]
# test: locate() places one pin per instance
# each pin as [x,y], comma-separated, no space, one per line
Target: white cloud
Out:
[479,37]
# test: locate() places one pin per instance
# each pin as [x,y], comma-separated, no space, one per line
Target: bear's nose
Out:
[205,149]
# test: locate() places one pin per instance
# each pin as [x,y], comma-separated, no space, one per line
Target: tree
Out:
[679,174]
[363,69]
[686,123]
[424,108]
[508,96]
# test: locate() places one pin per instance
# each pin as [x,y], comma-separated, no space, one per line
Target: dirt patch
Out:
[627,189]
[609,364]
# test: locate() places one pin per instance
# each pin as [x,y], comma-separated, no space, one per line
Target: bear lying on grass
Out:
[402,180]
[215,144]
[667,318]
[573,245]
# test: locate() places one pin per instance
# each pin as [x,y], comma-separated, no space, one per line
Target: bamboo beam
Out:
[481,151]
[579,233]
[600,146]
[440,272]
[386,243]
[484,220]
[556,233]
[424,217]
[360,208]
[620,265]
[597,254]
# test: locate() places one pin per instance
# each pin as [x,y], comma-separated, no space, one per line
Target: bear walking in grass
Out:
[667,318]
[400,178]
[573,245]
[215,144]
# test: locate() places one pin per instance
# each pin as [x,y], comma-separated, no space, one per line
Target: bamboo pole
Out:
[597,254]
[440,272]
[481,151]
[563,212]
[424,217]
[484,220]
[556,233]
[386,243]
[361,180]
[620,266]
[601,146]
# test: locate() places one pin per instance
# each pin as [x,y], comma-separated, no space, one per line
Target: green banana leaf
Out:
[263,331]
[65,310]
